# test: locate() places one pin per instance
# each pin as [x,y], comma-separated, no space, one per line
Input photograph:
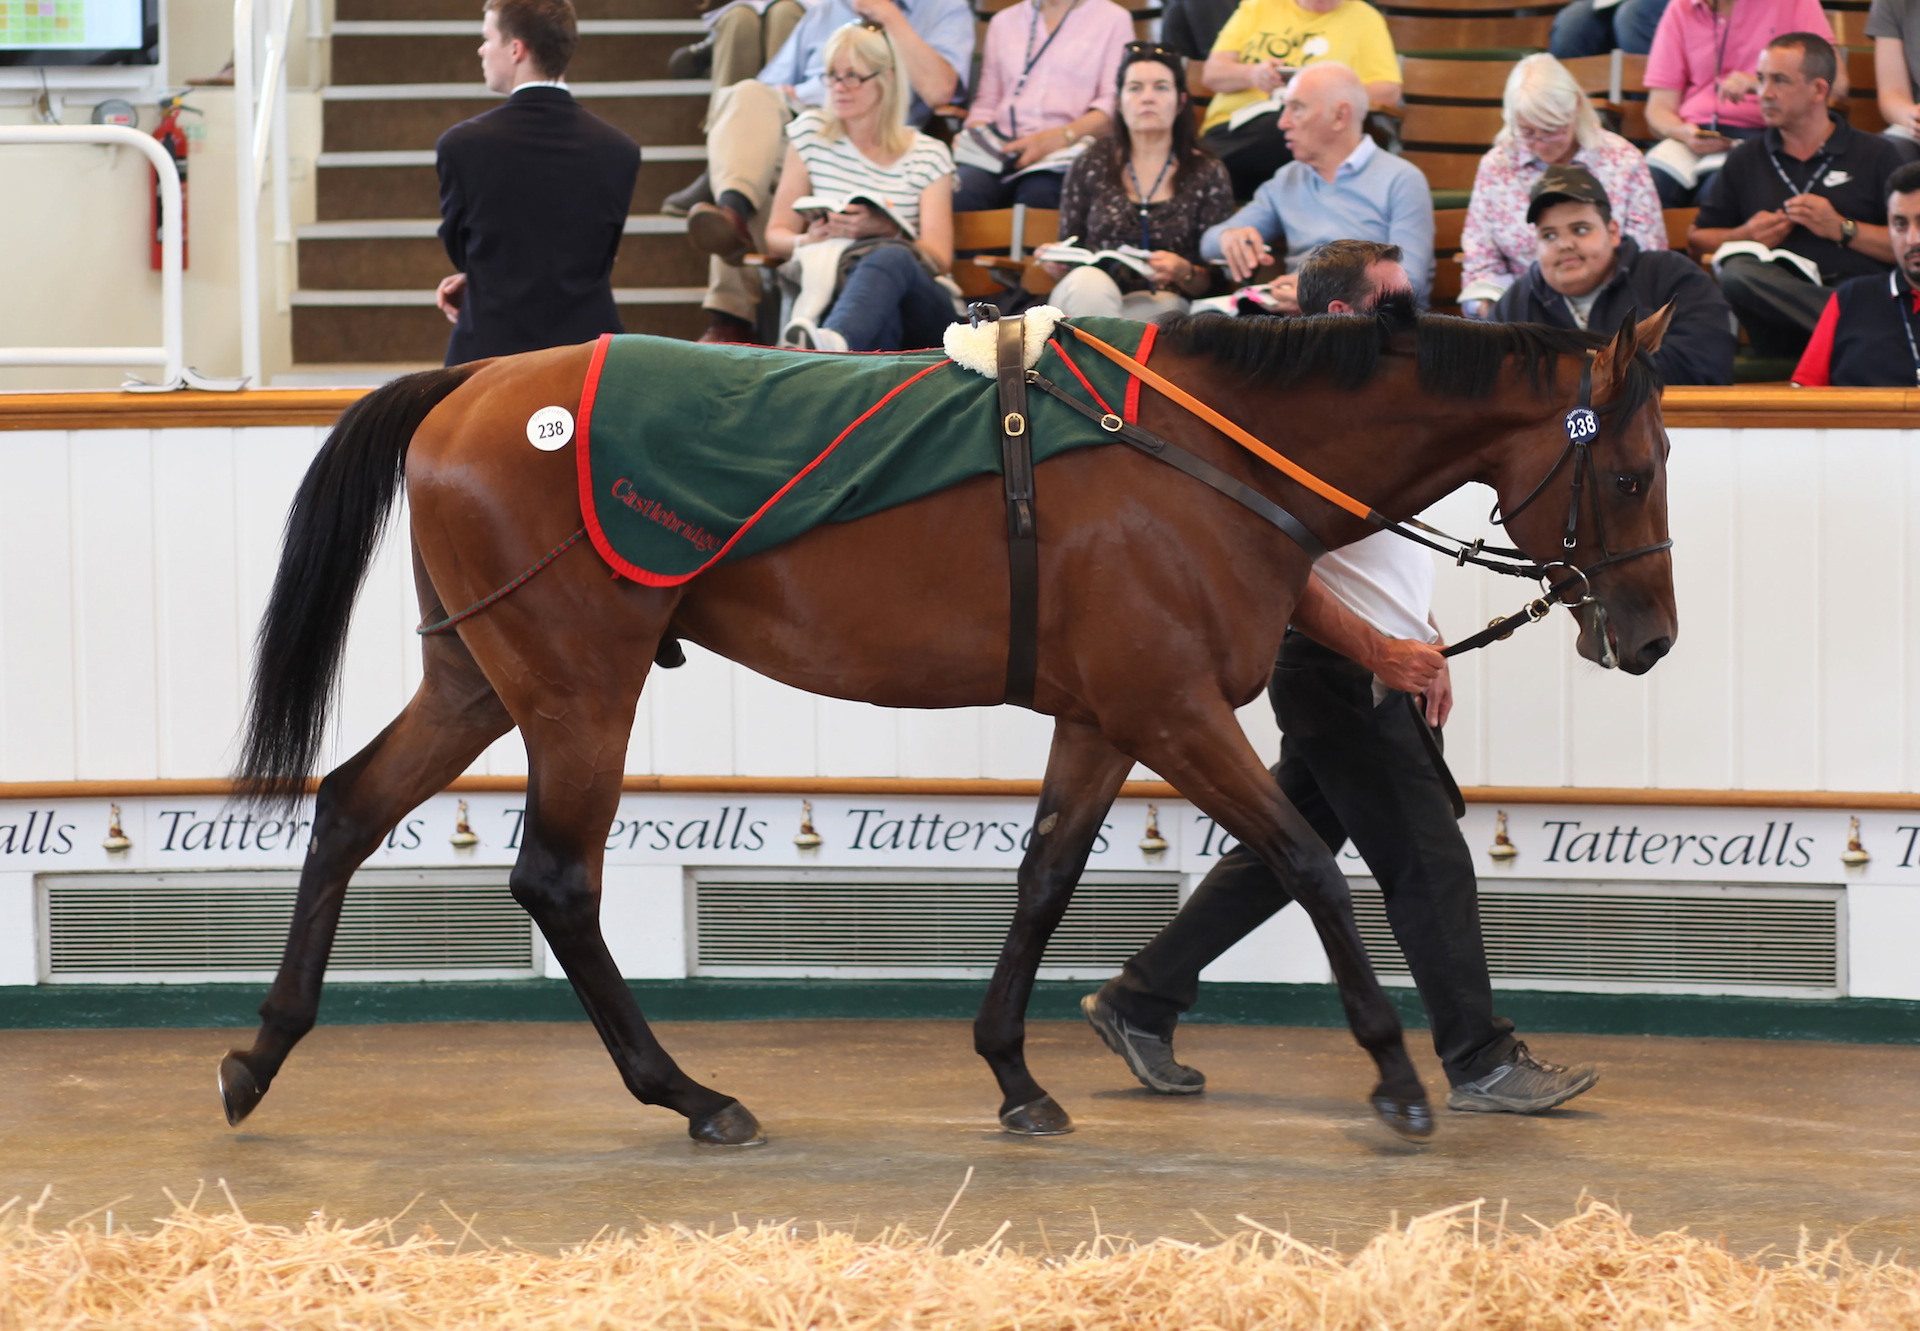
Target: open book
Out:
[1270,105]
[1682,162]
[1069,251]
[1799,263]
[825,203]
[985,147]
[1246,300]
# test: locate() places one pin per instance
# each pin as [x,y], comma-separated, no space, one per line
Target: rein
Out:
[1582,427]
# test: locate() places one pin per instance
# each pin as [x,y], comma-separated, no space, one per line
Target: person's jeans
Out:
[1581,30]
[890,303]
[980,190]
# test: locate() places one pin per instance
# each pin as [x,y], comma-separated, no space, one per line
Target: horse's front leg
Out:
[1208,759]
[1084,773]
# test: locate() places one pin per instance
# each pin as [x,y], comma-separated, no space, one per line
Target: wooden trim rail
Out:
[1741,406]
[931,787]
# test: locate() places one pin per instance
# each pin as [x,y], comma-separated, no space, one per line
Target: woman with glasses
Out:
[1549,122]
[1147,185]
[1045,91]
[895,188]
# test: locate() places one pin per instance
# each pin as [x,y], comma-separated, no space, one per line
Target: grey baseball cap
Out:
[1565,184]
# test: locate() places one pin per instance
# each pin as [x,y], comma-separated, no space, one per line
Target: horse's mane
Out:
[1456,357]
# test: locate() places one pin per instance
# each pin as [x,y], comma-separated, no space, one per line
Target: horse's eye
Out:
[1629,485]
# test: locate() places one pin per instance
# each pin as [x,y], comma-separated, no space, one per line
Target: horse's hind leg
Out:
[576,749]
[450,720]
[1084,773]
[1208,759]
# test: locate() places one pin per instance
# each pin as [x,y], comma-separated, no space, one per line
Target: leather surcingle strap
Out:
[1023,547]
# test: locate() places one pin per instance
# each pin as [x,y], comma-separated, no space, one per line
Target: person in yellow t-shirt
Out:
[1257,52]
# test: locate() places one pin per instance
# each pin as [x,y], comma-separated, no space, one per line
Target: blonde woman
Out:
[1549,122]
[860,144]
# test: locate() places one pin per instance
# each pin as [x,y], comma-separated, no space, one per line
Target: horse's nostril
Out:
[1655,649]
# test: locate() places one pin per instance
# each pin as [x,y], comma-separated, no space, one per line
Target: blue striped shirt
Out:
[1372,196]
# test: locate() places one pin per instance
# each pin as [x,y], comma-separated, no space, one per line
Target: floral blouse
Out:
[1497,244]
[1094,206]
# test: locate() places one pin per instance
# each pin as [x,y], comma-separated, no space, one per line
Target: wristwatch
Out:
[1848,230]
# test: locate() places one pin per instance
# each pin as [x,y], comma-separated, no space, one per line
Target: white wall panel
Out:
[200,675]
[1863,647]
[1694,701]
[773,727]
[114,619]
[856,738]
[1778,535]
[36,609]
[942,744]
[692,716]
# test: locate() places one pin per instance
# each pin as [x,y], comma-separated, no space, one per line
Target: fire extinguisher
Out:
[173,137]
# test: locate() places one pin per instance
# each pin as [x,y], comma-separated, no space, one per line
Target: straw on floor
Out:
[213,1269]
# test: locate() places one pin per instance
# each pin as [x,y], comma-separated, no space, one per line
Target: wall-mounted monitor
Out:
[79,33]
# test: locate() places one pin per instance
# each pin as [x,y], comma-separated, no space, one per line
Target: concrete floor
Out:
[526,1129]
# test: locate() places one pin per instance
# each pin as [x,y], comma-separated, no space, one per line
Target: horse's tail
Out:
[332,528]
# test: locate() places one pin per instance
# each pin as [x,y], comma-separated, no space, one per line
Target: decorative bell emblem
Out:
[1855,854]
[1151,841]
[1502,848]
[807,838]
[117,842]
[464,837]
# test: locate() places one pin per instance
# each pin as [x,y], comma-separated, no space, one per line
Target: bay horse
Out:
[1162,608]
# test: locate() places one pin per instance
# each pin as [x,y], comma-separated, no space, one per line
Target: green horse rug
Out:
[691,454]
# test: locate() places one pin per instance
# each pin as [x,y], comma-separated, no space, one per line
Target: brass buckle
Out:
[1111,423]
[1014,425]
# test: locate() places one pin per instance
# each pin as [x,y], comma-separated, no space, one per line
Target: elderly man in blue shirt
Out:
[1339,186]
[746,130]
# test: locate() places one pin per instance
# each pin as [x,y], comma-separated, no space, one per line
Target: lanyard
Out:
[1146,196]
[1032,58]
[1719,59]
[1818,169]
[1906,320]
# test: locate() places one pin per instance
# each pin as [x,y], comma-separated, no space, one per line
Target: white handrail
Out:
[170,354]
[260,126]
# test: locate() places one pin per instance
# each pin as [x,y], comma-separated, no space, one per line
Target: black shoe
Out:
[692,62]
[682,201]
[1148,1055]
[1522,1085]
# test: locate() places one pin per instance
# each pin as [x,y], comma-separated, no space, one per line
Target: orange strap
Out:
[1331,494]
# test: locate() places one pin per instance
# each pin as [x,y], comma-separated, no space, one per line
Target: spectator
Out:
[1894,26]
[1046,88]
[861,144]
[1866,335]
[1339,186]
[1700,88]
[1549,122]
[742,36]
[1258,51]
[1588,275]
[534,196]
[1812,186]
[1147,184]
[1352,277]
[1190,28]
[1595,27]
[745,132]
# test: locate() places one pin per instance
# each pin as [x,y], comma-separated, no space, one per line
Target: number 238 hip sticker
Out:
[1582,425]
[550,428]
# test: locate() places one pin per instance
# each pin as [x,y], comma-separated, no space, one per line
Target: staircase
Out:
[403,72]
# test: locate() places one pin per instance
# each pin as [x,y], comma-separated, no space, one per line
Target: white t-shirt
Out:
[1385,579]
[837,169]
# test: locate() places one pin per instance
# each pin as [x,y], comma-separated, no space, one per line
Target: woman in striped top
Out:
[859,146]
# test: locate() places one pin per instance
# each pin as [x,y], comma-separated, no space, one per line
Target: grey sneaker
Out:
[1522,1085]
[1148,1055]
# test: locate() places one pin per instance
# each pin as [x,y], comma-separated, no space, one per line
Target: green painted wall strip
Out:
[1854,1020]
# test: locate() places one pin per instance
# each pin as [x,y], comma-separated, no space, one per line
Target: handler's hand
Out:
[1245,250]
[448,295]
[1409,666]
[1438,696]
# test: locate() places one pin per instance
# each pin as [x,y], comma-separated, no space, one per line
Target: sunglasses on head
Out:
[1151,51]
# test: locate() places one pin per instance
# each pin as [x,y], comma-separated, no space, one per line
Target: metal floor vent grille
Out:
[1698,938]
[182,926]
[908,923]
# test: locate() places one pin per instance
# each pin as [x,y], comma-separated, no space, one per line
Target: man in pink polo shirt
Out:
[1701,83]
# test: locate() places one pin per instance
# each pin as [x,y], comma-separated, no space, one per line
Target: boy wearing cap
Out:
[1587,275]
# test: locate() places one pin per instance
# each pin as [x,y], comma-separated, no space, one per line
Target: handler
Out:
[1360,691]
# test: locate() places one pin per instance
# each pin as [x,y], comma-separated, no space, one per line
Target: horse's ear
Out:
[1652,330]
[1611,365]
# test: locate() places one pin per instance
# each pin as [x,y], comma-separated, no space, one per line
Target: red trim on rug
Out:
[1131,414]
[1085,382]
[583,461]
[648,579]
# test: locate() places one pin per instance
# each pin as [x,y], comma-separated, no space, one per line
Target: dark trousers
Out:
[1777,307]
[1373,774]
[977,190]
[1251,153]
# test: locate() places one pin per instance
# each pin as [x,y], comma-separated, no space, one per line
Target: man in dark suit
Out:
[533,196]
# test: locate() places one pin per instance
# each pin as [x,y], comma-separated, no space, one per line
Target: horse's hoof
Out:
[239,1090]
[1039,1118]
[729,1125]
[1411,1119]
